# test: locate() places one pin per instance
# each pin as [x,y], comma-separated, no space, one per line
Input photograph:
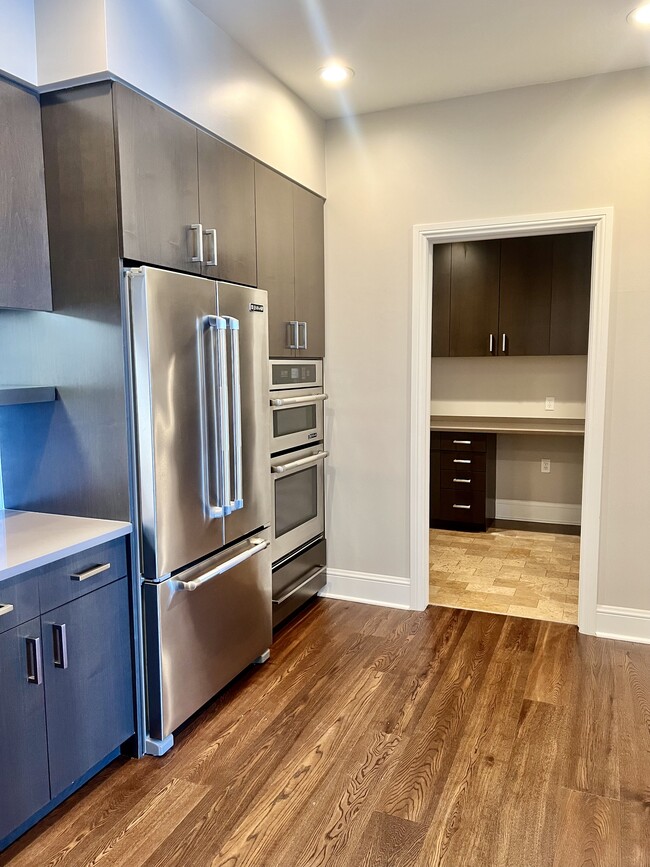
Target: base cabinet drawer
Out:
[464,507]
[297,578]
[462,480]
[463,462]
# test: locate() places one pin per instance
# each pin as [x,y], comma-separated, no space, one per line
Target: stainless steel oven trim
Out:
[303,460]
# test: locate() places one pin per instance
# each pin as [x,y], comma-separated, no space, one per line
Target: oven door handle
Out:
[300,463]
[257,545]
[297,401]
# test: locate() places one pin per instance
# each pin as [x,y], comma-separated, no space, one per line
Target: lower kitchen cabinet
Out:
[66,679]
[462,480]
[25,787]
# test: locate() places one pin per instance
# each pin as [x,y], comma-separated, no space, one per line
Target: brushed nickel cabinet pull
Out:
[59,645]
[6,609]
[462,442]
[461,507]
[34,661]
[464,481]
[90,573]
[462,461]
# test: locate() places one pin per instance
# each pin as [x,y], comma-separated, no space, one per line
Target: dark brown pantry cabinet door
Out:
[275,264]
[159,188]
[441,300]
[525,299]
[227,202]
[571,293]
[309,258]
[474,314]
[24,254]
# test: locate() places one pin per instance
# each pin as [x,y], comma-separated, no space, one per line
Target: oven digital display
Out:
[294,374]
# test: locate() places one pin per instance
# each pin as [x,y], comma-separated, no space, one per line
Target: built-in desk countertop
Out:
[490,424]
[32,539]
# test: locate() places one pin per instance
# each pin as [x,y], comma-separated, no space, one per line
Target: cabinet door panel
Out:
[25,784]
[571,293]
[309,258]
[474,297]
[24,254]
[227,201]
[275,264]
[90,701]
[441,300]
[159,187]
[525,301]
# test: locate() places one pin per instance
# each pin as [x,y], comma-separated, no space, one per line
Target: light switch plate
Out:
[546,465]
[550,403]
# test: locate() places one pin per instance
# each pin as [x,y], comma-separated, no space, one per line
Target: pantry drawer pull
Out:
[461,507]
[6,608]
[462,461]
[462,442]
[90,573]
[464,481]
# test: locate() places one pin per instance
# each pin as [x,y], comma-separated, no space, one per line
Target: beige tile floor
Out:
[507,572]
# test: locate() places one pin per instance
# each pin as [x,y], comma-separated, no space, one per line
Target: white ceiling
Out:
[409,51]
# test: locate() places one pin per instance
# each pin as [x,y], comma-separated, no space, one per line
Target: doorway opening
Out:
[565,548]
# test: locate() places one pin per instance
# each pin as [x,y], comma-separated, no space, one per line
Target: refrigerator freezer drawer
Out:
[203,627]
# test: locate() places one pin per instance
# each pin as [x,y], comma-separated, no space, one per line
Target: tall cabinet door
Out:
[275,256]
[309,257]
[441,300]
[24,253]
[474,313]
[525,306]
[88,681]
[23,743]
[159,187]
[571,293]
[227,200]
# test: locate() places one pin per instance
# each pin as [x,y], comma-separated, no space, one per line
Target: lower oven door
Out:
[298,499]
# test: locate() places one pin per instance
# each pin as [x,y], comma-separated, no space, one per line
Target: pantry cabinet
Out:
[525,296]
[474,305]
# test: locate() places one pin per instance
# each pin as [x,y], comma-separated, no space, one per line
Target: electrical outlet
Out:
[550,403]
[546,465]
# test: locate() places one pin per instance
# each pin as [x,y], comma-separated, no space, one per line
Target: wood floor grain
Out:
[384,738]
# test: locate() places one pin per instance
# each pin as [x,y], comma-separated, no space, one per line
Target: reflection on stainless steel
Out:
[199,361]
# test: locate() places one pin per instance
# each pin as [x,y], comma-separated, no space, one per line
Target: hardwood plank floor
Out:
[384,738]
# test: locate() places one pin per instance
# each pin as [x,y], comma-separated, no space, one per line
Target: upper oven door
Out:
[298,499]
[296,418]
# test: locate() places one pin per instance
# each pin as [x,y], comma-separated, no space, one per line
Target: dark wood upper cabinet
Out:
[24,254]
[441,300]
[474,311]
[525,295]
[227,204]
[275,252]
[309,258]
[158,180]
[571,293]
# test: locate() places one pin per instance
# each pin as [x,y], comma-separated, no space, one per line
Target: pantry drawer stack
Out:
[463,480]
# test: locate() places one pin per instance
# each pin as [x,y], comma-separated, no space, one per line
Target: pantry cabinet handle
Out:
[6,609]
[34,661]
[59,645]
[461,507]
[90,573]
[503,342]
[197,247]
[491,344]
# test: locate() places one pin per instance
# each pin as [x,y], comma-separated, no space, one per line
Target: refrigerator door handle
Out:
[237,502]
[219,418]
[257,545]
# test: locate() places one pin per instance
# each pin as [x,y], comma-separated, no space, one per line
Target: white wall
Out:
[174,53]
[505,387]
[17,40]
[578,144]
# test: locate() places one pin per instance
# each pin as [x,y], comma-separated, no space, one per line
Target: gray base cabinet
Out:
[66,678]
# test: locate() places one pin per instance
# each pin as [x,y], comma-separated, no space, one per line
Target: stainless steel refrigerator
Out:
[199,366]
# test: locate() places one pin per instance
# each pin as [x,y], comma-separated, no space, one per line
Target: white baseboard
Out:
[386,590]
[624,624]
[541,513]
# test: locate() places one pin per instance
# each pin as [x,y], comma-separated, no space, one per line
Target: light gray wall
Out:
[577,144]
[519,475]
[17,40]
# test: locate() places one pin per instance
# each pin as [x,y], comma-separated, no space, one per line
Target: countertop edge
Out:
[121,529]
[487,424]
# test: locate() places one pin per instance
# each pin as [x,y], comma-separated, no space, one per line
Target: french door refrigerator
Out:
[199,365]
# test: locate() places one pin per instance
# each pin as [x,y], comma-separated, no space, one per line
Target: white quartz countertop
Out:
[32,539]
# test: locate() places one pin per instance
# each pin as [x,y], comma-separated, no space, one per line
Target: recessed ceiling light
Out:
[640,16]
[336,73]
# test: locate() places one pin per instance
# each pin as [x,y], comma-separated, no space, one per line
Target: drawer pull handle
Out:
[464,481]
[6,609]
[462,461]
[34,661]
[90,573]
[462,442]
[461,507]
[59,645]
[288,595]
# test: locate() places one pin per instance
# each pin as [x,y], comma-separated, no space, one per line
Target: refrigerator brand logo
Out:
[256,308]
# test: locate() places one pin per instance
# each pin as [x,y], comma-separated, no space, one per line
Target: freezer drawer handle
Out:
[90,573]
[257,545]
[302,462]
[299,401]
[6,609]
[291,592]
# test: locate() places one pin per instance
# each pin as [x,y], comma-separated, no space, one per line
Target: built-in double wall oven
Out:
[297,473]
